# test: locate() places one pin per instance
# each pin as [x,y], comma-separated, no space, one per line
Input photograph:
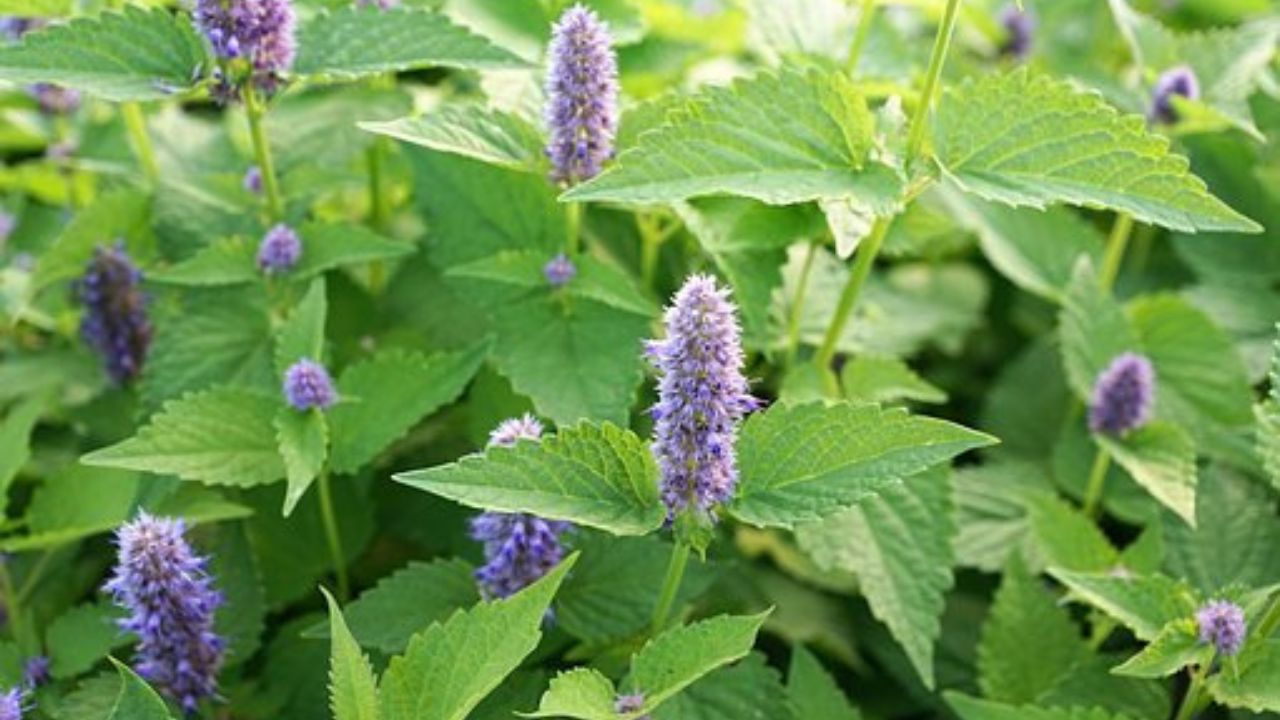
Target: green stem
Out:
[379,200]
[32,581]
[941,44]
[1193,701]
[62,134]
[1116,245]
[651,239]
[680,553]
[866,257]
[573,241]
[334,537]
[860,36]
[797,304]
[12,602]
[256,111]
[1097,479]
[136,123]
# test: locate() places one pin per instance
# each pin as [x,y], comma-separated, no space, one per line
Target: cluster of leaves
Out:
[965,230]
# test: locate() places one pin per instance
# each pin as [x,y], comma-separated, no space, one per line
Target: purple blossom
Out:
[582,96]
[259,31]
[702,395]
[252,181]
[167,591]
[13,28]
[36,672]
[518,548]
[279,250]
[115,312]
[1123,395]
[307,385]
[1221,624]
[1020,28]
[629,703]
[55,100]
[1180,81]
[380,4]
[559,270]
[11,704]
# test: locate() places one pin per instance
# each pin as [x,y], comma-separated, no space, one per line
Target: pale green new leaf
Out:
[450,667]
[136,701]
[355,42]
[302,335]
[1162,459]
[1027,139]
[814,694]
[1257,687]
[969,708]
[219,437]
[779,137]
[135,54]
[600,476]
[1143,603]
[303,437]
[805,462]
[886,380]
[353,691]
[490,135]
[1177,646]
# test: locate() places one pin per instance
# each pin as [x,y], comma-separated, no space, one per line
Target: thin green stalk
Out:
[256,111]
[573,242]
[797,304]
[1116,245]
[941,44]
[1097,479]
[860,36]
[62,131]
[136,123]
[680,553]
[866,257]
[334,537]
[34,577]
[12,602]
[1194,701]
[651,239]
[379,199]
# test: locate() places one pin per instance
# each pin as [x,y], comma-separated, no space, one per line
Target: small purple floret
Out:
[702,395]
[307,385]
[36,672]
[1221,624]
[279,250]
[115,312]
[513,430]
[1180,81]
[1123,395]
[559,270]
[260,31]
[582,96]
[252,181]
[166,589]
[11,704]
[1020,29]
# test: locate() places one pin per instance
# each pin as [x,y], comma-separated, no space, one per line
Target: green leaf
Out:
[581,693]
[1257,687]
[117,214]
[886,380]
[355,42]
[302,335]
[381,411]
[486,134]
[1143,603]
[1011,669]
[303,439]
[136,701]
[805,462]
[1177,646]
[969,708]
[1065,538]
[1027,139]
[242,618]
[814,694]
[511,272]
[992,512]
[600,476]
[1093,330]
[15,438]
[131,55]
[750,689]
[353,691]
[449,668]
[898,543]
[81,637]
[779,137]
[1234,537]
[1161,458]
[217,437]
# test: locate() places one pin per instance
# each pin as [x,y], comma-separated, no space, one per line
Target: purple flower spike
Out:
[702,395]
[582,96]
[307,385]
[1020,28]
[279,250]
[1123,395]
[1179,81]
[167,591]
[259,31]
[36,672]
[1222,624]
[252,181]
[559,270]
[11,704]
[115,312]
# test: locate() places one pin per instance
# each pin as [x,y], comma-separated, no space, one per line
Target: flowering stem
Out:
[670,586]
[333,536]
[860,36]
[256,111]
[1116,245]
[1097,478]
[1195,699]
[941,44]
[573,217]
[797,304]
[866,257]
[136,124]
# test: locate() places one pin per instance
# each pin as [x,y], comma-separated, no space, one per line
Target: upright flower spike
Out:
[307,385]
[258,32]
[1123,395]
[168,594]
[279,250]
[582,96]
[11,704]
[1020,29]
[1221,624]
[115,312]
[559,271]
[1180,81]
[518,548]
[702,395]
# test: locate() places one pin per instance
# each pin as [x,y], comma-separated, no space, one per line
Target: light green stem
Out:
[136,123]
[860,36]
[865,259]
[680,553]
[797,304]
[1116,246]
[651,239]
[12,603]
[256,111]
[941,44]
[1097,479]
[573,241]
[379,200]
[1194,701]
[334,537]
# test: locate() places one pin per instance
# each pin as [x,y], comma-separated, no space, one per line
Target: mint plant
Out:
[639,359]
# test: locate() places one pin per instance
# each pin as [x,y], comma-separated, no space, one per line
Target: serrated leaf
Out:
[302,334]
[992,512]
[358,41]
[898,543]
[1177,646]
[813,692]
[750,690]
[79,639]
[353,691]
[1162,459]
[381,410]
[217,437]
[136,701]
[135,54]
[779,137]
[1027,139]
[886,380]
[518,273]
[1143,603]
[303,439]
[1257,686]
[600,476]
[486,134]
[969,708]
[581,693]
[449,668]
[805,462]
[1065,538]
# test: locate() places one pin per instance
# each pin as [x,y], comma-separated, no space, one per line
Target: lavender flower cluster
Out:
[1221,624]
[307,386]
[702,395]
[260,32]
[115,312]
[280,250]
[1180,81]
[582,96]
[167,591]
[1123,395]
